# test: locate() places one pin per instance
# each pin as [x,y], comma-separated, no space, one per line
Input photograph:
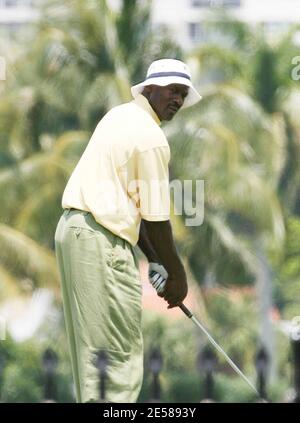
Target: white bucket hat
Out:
[164,72]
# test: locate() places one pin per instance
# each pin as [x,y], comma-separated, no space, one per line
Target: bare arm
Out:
[157,243]
[146,246]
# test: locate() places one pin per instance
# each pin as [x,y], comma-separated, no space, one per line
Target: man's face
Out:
[166,101]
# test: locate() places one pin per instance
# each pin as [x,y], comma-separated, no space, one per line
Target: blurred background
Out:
[63,65]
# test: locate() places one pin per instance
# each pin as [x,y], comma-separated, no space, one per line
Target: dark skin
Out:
[166,101]
[156,238]
[157,243]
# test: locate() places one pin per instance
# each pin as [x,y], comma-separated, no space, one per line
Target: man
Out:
[117,197]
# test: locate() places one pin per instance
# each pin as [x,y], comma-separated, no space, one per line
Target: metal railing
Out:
[206,364]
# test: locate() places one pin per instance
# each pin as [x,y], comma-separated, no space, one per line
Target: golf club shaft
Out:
[190,315]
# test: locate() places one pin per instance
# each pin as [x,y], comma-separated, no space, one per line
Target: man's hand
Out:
[157,276]
[161,249]
[173,289]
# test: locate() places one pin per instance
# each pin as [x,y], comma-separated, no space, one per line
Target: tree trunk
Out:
[265,303]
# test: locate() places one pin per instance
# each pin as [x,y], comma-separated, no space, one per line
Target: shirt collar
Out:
[142,102]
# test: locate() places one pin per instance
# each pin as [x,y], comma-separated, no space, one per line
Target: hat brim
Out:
[192,98]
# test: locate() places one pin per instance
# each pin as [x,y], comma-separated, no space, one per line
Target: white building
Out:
[15,13]
[185,18]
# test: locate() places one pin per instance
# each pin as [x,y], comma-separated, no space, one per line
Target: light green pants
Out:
[102,307]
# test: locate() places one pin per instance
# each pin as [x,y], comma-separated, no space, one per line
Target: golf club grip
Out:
[186,311]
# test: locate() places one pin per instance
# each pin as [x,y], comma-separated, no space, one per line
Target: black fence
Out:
[207,366]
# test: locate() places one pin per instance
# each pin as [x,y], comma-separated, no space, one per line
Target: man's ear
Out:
[147,90]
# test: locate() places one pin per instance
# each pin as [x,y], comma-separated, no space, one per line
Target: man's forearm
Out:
[146,246]
[161,245]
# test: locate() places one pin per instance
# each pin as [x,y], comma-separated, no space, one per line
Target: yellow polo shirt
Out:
[123,174]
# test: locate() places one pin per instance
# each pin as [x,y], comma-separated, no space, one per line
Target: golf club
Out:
[190,315]
[158,277]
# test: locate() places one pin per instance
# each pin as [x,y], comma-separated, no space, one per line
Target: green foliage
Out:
[242,139]
[183,387]
[233,320]
[178,346]
[287,287]
[233,325]
[233,390]
[23,378]
[182,376]
[20,385]
[75,69]
[266,78]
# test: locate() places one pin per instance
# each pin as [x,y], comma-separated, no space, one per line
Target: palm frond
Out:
[9,285]
[20,255]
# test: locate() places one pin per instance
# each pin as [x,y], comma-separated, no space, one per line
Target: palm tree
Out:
[23,259]
[244,157]
[261,67]
[75,68]
[27,232]
[239,159]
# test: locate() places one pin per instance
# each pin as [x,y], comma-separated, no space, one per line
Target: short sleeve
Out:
[153,183]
